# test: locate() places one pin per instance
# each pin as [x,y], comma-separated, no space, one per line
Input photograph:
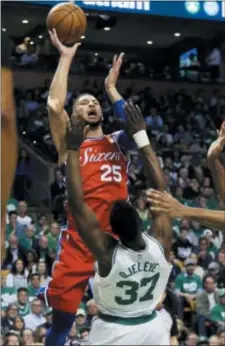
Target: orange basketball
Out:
[69,21]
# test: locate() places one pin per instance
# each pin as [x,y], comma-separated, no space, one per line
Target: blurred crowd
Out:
[41,55]
[181,125]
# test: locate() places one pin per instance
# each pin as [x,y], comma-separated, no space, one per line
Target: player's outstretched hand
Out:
[63,50]
[135,119]
[77,134]
[164,202]
[114,72]
[217,146]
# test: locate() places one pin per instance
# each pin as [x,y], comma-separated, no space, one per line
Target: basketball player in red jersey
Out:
[103,169]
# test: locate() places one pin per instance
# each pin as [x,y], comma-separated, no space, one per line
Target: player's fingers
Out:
[77,45]
[139,112]
[120,59]
[114,60]
[154,193]
[155,209]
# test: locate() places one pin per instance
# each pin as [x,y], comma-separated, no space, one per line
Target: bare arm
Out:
[87,225]
[110,82]
[162,227]
[215,165]
[162,201]
[58,117]
[8,134]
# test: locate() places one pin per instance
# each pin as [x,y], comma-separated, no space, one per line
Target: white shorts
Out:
[148,333]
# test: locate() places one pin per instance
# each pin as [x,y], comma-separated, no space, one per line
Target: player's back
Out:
[136,282]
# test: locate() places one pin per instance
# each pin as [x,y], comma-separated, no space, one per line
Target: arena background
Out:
[174,68]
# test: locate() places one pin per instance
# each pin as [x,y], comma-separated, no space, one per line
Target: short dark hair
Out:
[125,220]
[22,289]
[12,212]
[207,277]
[35,274]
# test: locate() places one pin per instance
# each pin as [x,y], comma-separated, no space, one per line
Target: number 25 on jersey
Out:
[111,173]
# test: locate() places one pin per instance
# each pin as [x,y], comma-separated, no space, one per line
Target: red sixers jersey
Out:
[104,176]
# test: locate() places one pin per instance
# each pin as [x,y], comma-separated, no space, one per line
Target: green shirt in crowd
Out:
[218,313]
[52,241]
[189,284]
[24,309]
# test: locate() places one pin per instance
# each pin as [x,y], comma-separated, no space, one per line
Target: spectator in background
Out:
[29,58]
[8,294]
[182,247]
[18,325]
[188,285]
[205,301]
[8,320]
[22,216]
[43,272]
[23,47]
[31,260]
[22,301]
[13,252]
[18,276]
[22,179]
[28,337]
[13,226]
[35,318]
[34,286]
[27,239]
[12,339]
[58,189]
[213,61]
[217,313]
[53,236]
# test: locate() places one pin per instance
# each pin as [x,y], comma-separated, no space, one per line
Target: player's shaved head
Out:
[125,221]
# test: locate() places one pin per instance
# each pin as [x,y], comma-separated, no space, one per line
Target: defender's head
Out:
[88,108]
[125,221]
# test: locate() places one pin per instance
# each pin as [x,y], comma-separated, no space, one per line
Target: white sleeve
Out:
[9,280]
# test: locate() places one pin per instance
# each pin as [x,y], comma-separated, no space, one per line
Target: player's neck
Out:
[95,132]
[137,245]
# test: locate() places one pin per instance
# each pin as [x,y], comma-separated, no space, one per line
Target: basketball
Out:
[69,21]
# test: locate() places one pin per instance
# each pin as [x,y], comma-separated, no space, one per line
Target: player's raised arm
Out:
[162,228]
[111,80]
[8,133]
[87,225]
[216,167]
[164,202]
[58,117]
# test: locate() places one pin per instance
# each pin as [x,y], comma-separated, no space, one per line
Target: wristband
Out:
[141,139]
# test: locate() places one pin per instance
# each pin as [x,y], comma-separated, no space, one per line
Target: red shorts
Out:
[70,274]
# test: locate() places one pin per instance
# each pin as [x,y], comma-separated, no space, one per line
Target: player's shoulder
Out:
[154,243]
[115,136]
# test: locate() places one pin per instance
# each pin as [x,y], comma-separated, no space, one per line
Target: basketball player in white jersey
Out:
[132,268]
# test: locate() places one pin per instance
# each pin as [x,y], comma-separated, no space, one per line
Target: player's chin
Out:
[94,120]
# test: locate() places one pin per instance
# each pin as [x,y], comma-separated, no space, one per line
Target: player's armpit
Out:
[59,123]
[162,231]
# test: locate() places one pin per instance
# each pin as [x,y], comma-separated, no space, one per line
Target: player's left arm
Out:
[124,141]
[87,225]
[161,226]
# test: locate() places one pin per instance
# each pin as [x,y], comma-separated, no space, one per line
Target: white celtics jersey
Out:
[136,282]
